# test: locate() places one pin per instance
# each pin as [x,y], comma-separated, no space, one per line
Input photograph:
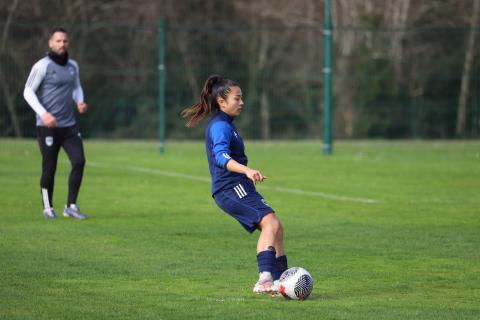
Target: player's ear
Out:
[221,102]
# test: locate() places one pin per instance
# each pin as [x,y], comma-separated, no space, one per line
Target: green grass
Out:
[157,247]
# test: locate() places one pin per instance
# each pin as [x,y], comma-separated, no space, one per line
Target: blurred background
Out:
[401,69]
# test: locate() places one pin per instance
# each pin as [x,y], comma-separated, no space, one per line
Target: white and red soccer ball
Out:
[296,283]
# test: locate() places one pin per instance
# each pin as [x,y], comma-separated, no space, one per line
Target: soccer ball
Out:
[296,283]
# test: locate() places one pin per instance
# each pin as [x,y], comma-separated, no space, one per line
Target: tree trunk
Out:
[345,12]
[264,104]
[467,67]
[9,98]
[397,14]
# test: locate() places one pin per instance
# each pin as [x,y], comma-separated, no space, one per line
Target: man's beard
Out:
[60,59]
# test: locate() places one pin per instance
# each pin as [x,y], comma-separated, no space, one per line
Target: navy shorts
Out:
[244,203]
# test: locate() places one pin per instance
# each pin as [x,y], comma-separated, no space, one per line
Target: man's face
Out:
[58,43]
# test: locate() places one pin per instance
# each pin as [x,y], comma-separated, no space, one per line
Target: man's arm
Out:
[33,82]
[77,94]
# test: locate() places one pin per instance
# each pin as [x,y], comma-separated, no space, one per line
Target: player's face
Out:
[233,105]
[58,43]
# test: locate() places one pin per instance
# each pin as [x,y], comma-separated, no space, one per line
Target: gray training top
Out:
[54,88]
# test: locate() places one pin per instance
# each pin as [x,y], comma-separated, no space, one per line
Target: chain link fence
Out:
[388,83]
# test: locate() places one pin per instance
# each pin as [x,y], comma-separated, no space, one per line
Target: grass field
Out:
[388,230]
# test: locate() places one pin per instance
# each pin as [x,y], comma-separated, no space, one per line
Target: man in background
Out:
[53,91]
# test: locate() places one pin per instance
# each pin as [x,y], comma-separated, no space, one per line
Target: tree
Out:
[467,70]
[8,94]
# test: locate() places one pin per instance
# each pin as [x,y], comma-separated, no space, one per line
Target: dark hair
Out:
[57,29]
[214,87]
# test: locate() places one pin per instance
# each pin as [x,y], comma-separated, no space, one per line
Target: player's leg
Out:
[73,146]
[248,207]
[271,234]
[269,227]
[49,144]
[273,257]
[281,263]
[245,205]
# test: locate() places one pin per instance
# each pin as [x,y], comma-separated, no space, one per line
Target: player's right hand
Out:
[49,120]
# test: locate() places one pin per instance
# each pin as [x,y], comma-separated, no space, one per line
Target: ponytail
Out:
[214,86]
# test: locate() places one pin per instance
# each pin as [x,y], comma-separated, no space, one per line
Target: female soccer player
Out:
[233,182]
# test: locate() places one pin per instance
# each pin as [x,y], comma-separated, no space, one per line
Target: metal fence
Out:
[387,83]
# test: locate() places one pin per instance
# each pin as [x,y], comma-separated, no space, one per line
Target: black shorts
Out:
[57,135]
[51,140]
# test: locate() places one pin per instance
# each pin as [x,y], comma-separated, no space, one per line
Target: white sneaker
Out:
[49,213]
[276,288]
[73,211]
[265,284]
[276,285]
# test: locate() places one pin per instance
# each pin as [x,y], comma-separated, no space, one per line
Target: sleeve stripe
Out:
[32,77]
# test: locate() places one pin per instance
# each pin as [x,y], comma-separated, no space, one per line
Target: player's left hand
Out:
[255,175]
[82,107]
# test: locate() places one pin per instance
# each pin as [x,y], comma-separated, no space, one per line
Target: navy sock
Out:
[280,266]
[266,260]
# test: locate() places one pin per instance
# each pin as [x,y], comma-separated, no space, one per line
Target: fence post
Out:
[327,80]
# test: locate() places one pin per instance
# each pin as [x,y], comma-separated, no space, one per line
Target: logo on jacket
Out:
[49,141]
[226,155]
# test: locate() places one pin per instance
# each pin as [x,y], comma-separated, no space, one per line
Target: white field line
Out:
[323,195]
[205,179]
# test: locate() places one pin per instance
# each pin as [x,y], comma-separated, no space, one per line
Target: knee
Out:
[78,163]
[49,168]
[278,227]
[273,223]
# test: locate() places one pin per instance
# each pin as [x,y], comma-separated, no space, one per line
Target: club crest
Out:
[49,141]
